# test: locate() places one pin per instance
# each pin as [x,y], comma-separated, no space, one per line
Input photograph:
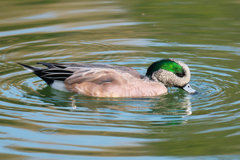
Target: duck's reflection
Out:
[171,109]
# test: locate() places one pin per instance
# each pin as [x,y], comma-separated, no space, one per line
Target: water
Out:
[37,122]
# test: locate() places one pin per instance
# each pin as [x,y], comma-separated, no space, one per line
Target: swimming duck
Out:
[103,80]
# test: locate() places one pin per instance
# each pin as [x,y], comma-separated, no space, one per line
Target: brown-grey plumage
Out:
[103,80]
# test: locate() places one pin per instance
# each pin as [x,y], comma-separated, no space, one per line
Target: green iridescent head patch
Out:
[168,65]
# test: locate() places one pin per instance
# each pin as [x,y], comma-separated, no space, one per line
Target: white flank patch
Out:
[59,85]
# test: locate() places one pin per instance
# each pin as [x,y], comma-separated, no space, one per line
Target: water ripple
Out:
[38,121]
[66,27]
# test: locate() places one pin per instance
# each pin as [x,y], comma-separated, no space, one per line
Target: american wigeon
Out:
[103,80]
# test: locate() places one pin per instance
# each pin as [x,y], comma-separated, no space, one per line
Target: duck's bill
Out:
[188,88]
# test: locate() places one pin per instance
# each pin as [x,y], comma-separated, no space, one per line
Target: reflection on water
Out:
[38,122]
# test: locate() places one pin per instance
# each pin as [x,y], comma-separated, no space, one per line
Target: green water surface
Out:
[37,122]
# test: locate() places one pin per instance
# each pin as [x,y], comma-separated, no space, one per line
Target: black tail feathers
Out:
[38,72]
[30,68]
[49,74]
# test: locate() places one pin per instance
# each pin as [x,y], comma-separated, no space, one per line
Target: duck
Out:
[104,80]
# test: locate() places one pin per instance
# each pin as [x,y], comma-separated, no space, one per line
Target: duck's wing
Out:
[62,71]
[99,82]
[86,66]
[93,75]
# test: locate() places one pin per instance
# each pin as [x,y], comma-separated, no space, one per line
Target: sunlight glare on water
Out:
[38,122]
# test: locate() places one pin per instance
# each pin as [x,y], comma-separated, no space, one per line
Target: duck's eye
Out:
[179,74]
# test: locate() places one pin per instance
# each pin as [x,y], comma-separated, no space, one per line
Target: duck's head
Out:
[171,73]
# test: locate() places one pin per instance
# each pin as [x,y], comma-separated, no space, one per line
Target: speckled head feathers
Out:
[170,72]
